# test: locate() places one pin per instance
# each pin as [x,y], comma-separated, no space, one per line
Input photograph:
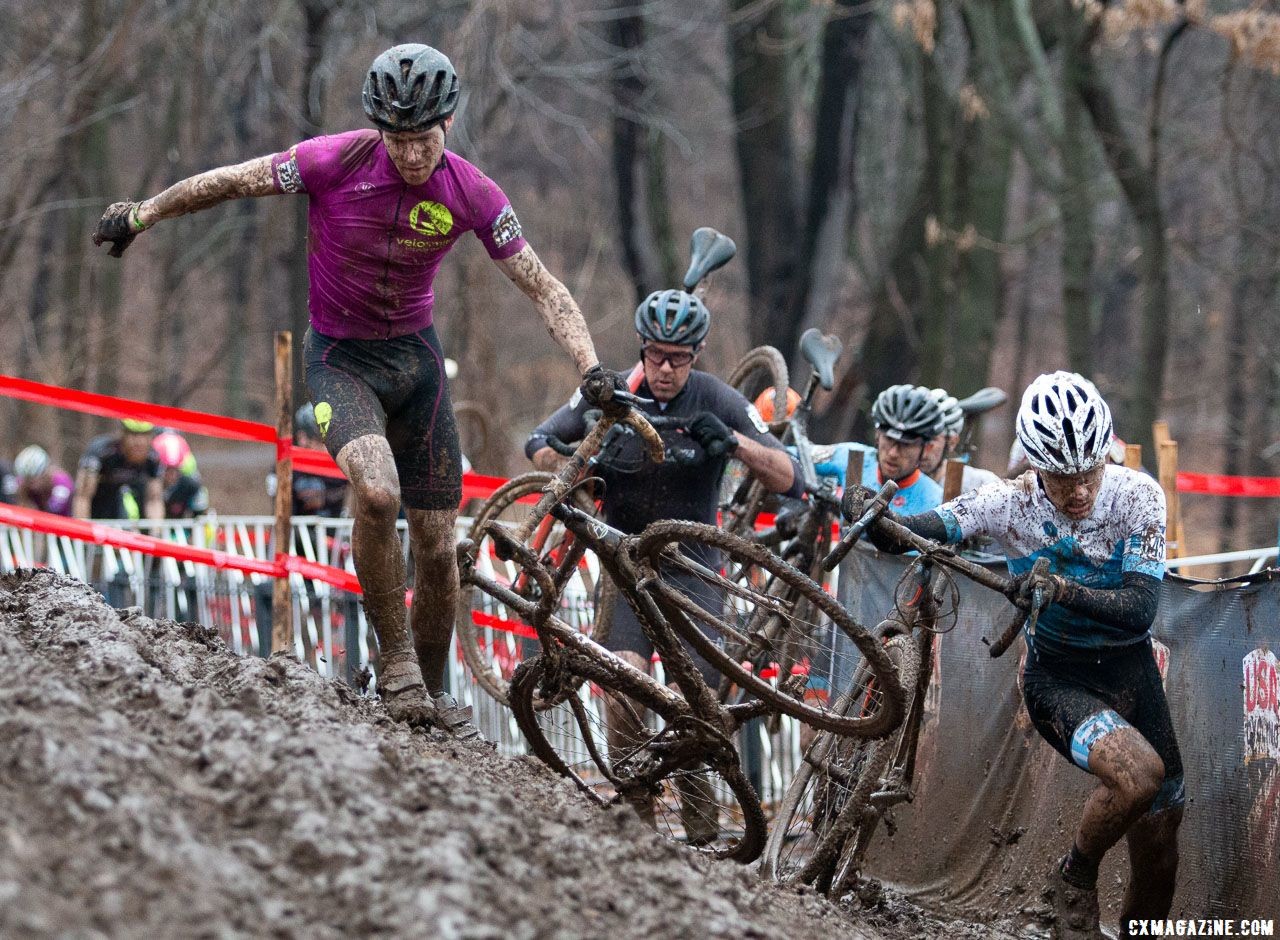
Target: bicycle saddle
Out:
[821,350]
[708,250]
[982,401]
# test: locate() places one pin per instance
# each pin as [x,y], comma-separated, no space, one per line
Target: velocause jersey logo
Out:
[431,218]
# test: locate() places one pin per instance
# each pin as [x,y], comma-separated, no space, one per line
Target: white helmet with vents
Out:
[1064,425]
[952,413]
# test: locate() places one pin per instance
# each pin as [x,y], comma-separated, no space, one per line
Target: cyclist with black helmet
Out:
[1090,682]
[672,326]
[385,206]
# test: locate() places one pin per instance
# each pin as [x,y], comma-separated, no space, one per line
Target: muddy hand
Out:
[116,227]
[599,384]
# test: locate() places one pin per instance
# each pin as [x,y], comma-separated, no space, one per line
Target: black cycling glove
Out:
[599,384]
[116,227]
[713,434]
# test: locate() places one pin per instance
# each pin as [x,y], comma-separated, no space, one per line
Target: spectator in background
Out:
[185,497]
[41,484]
[313,495]
[8,483]
[119,476]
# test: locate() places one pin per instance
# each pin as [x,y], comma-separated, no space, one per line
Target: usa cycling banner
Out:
[996,806]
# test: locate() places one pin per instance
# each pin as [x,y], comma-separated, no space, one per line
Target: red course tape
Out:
[474,485]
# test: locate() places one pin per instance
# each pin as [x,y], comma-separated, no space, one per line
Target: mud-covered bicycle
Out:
[666,574]
[844,788]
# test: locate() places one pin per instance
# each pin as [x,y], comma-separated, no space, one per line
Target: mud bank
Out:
[152,783]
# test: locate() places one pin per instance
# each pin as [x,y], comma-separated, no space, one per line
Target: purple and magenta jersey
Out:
[57,499]
[375,242]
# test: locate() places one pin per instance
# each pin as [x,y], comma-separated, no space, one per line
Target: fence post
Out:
[953,481]
[1133,456]
[281,596]
[1167,470]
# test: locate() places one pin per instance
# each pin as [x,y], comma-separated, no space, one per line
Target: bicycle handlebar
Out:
[873,515]
[620,409]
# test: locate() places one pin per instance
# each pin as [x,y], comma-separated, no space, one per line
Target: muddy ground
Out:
[152,783]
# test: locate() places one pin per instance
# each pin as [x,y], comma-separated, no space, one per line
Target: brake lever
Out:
[869,515]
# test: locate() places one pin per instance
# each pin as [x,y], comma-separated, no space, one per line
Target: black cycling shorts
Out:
[1074,704]
[395,388]
[626,634]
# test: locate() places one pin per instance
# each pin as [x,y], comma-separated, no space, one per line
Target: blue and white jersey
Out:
[1124,532]
[917,493]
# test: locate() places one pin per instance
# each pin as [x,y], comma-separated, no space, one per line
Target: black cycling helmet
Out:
[673,316]
[305,420]
[908,411]
[410,87]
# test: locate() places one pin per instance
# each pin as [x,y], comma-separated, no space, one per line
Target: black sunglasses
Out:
[656,357]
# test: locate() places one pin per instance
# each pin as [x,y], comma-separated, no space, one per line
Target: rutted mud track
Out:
[152,783]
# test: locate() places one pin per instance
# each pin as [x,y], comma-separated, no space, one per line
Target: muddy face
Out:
[1073,494]
[416,153]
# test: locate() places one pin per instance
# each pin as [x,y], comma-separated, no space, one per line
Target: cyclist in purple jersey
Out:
[42,484]
[386,204]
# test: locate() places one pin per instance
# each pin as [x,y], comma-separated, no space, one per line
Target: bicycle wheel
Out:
[763,368]
[492,637]
[743,596]
[741,496]
[846,826]
[703,802]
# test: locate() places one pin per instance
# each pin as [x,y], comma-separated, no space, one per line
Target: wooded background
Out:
[969,192]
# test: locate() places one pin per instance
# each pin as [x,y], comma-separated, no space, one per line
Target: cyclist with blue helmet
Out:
[672,326]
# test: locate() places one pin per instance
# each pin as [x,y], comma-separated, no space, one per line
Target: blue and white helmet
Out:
[1064,425]
[673,316]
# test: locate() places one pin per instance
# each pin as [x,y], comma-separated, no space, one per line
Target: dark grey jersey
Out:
[639,491]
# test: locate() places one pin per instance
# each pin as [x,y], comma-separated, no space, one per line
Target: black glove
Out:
[854,502]
[599,384]
[713,434]
[116,227]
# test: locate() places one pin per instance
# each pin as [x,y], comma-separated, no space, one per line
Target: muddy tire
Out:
[762,596]
[716,797]
[837,856]
[485,626]
[741,496]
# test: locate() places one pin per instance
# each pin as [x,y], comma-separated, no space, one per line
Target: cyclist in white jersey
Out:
[1090,681]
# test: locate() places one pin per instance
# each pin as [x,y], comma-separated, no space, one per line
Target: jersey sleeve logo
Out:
[506,227]
[431,218]
[756,421]
[288,174]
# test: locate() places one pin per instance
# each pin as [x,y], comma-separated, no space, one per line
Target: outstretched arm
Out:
[559,312]
[122,221]
[252,178]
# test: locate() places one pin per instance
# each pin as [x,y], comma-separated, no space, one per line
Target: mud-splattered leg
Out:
[435,590]
[1153,864]
[375,488]
[1131,773]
